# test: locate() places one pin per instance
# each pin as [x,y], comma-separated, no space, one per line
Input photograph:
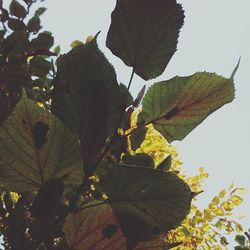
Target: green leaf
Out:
[144,34]
[94,228]
[240,239]
[34,24]
[14,75]
[139,160]
[40,11]
[86,97]
[16,9]
[35,147]
[175,107]
[97,227]
[165,165]
[137,137]
[160,199]
[39,66]
[57,49]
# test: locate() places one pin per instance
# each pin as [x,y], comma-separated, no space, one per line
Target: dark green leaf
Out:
[137,137]
[16,9]
[126,95]
[140,120]
[138,160]
[40,11]
[134,229]
[98,227]
[34,24]
[39,66]
[36,147]
[86,96]
[240,239]
[16,43]
[44,41]
[139,97]
[8,100]
[165,165]
[159,199]
[16,24]
[4,16]
[175,107]
[144,34]
[47,199]
[15,75]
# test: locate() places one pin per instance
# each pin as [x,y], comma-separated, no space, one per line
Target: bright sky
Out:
[214,36]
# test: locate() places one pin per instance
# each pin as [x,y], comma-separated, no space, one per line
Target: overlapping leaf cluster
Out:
[25,56]
[80,186]
[207,228]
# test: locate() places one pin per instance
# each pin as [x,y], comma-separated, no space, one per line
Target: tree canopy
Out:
[83,164]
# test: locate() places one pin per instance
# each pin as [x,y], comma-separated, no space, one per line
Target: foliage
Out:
[83,164]
[206,228]
[243,241]
[25,56]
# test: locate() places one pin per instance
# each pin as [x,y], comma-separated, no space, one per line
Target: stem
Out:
[94,205]
[167,116]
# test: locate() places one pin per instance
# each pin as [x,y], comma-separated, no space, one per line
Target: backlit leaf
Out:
[86,97]
[35,147]
[98,228]
[175,107]
[144,33]
[160,199]
[94,228]
[236,200]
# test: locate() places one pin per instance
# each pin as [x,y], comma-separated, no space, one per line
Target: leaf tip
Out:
[235,69]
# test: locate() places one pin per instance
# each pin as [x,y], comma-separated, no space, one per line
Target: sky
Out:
[215,35]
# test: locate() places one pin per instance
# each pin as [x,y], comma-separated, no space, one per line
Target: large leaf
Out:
[87,97]
[144,34]
[94,228]
[35,147]
[159,199]
[98,228]
[175,107]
